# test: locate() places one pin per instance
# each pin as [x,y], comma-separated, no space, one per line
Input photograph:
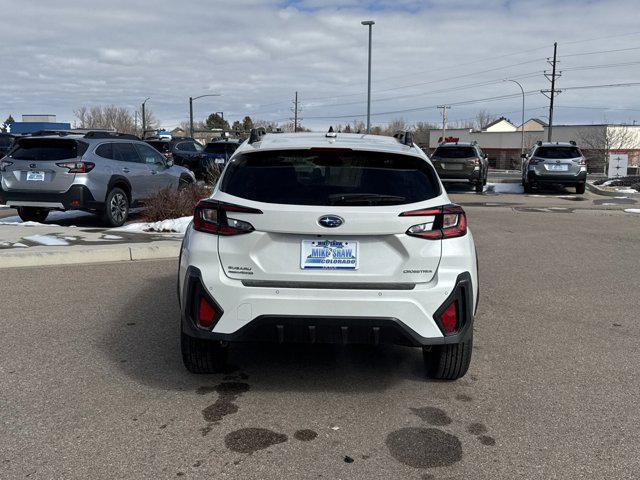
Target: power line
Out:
[599,52]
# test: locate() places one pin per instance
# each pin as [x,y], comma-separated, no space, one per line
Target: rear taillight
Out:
[77,167]
[168,155]
[536,161]
[582,161]
[449,318]
[4,164]
[211,216]
[450,222]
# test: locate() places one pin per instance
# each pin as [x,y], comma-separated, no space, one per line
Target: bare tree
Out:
[483,118]
[395,125]
[112,117]
[597,143]
[268,125]
[421,132]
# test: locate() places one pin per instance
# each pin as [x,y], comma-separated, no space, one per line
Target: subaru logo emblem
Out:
[330,221]
[32,165]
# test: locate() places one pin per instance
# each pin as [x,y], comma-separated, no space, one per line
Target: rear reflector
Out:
[206,313]
[449,318]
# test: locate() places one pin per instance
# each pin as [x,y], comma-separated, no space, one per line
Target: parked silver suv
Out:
[554,163]
[100,172]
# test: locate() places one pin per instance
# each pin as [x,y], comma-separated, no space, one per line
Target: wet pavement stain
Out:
[348,459]
[464,398]
[487,440]
[305,435]
[249,440]
[433,416]
[476,429]
[424,447]
[228,393]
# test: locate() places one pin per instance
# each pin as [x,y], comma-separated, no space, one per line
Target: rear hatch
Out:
[34,164]
[454,161]
[557,160]
[329,217]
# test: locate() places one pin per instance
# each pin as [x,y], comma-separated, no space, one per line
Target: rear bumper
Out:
[551,178]
[472,176]
[310,315]
[78,197]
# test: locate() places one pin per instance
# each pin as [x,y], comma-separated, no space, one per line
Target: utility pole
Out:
[144,118]
[295,113]
[135,122]
[444,109]
[370,24]
[550,94]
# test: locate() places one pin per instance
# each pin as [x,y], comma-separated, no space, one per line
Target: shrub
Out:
[167,203]
[212,173]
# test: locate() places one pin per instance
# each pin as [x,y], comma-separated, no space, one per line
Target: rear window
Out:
[455,152]
[307,177]
[47,149]
[162,147]
[558,152]
[221,148]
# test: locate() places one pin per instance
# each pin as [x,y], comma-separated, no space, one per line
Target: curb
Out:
[78,255]
[605,193]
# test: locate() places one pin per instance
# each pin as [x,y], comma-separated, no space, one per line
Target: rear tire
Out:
[33,214]
[202,356]
[116,208]
[580,188]
[448,362]
[528,188]
[479,187]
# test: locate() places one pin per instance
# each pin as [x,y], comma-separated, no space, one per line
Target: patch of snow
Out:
[46,240]
[71,238]
[620,198]
[172,225]
[20,244]
[607,183]
[626,190]
[111,237]
[18,221]
[52,217]
[632,210]
[3,206]
[505,187]
[609,204]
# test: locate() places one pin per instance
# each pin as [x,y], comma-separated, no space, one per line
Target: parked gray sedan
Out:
[100,172]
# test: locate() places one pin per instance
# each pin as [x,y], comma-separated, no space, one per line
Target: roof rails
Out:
[257,134]
[41,133]
[122,136]
[405,137]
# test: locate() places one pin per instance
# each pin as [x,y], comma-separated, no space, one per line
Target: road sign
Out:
[618,163]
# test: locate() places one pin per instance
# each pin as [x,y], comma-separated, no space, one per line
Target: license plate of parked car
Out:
[329,254]
[451,166]
[558,168]
[35,176]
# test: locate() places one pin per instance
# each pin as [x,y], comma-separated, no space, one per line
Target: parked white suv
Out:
[329,238]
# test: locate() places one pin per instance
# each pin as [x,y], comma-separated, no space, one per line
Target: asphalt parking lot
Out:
[93,385]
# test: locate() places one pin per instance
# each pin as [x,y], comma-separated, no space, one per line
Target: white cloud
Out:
[56,57]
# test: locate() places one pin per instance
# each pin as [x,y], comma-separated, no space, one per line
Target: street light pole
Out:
[522,124]
[370,24]
[144,117]
[191,99]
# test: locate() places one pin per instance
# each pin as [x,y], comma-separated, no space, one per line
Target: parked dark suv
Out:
[461,162]
[219,152]
[184,151]
[6,140]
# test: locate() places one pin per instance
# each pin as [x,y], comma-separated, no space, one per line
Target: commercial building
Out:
[34,123]
[501,140]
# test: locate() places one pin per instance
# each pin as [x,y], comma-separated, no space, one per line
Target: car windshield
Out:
[558,152]
[162,147]
[454,152]
[339,177]
[46,149]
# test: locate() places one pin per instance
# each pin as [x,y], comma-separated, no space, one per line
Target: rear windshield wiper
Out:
[364,198]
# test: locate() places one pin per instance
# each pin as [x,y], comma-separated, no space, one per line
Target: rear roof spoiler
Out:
[257,134]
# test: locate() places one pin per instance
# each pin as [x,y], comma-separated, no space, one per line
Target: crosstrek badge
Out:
[329,254]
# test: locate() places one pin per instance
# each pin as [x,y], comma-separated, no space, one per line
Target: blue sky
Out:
[57,57]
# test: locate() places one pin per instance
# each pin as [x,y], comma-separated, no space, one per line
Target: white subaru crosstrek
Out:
[329,238]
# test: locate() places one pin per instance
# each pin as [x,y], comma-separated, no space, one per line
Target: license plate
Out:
[35,176]
[558,168]
[329,254]
[451,166]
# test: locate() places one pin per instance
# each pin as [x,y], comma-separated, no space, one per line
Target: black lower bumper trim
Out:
[557,179]
[78,197]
